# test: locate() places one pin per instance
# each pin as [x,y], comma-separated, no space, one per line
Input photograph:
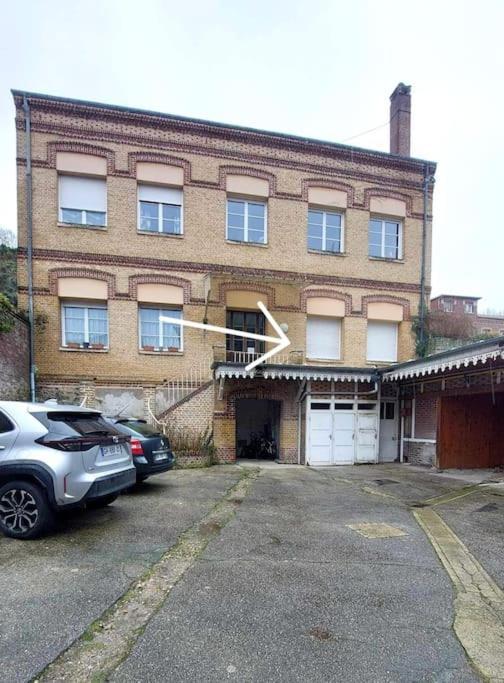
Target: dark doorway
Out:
[257,428]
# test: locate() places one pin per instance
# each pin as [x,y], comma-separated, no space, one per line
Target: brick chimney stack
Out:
[400,120]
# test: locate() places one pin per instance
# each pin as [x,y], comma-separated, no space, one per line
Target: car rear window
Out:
[140,427]
[74,423]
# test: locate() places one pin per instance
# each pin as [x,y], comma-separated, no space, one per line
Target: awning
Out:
[294,372]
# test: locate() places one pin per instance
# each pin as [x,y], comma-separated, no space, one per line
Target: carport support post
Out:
[149,402]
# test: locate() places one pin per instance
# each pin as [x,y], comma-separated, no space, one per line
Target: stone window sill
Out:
[100,228]
[160,353]
[322,252]
[170,235]
[387,260]
[68,348]
[248,244]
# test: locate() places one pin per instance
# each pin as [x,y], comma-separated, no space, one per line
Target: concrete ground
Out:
[284,590]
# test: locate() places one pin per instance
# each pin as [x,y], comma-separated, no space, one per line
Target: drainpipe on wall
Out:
[29,241]
[428,180]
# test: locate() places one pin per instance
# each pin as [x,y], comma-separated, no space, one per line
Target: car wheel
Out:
[102,502]
[24,510]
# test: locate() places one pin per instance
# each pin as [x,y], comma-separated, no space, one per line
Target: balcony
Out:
[221,355]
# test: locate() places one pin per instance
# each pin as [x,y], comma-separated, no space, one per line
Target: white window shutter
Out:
[381,341]
[88,194]
[323,337]
[160,195]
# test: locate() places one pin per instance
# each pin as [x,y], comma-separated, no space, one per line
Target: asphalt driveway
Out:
[292,584]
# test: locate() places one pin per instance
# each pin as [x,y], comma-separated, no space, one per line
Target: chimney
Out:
[400,120]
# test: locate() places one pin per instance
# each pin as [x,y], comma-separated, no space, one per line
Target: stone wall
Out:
[420,453]
[14,359]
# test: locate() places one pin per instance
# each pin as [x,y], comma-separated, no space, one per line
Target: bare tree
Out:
[8,238]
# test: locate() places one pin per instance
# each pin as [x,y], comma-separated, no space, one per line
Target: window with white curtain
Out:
[381,341]
[82,201]
[323,337]
[160,209]
[85,325]
[385,238]
[157,335]
[246,221]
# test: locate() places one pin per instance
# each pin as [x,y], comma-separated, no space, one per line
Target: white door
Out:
[343,438]
[388,431]
[320,441]
[367,424]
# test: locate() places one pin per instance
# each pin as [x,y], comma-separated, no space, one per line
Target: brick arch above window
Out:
[80,148]
[386,299]
[159,279]
[327,184]
[268,293]
[56,274]
[248,172]
[158,158]
[325,294]
[379,193]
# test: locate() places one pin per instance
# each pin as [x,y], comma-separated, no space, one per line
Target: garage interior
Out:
[257,428]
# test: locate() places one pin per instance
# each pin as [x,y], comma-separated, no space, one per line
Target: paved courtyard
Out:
[233,574]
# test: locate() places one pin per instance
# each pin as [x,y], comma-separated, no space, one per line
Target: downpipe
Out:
[29,242]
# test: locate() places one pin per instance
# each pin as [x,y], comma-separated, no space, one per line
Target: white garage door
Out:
[320,442]
[343,438]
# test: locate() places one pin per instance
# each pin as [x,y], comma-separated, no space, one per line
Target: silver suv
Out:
[53,457]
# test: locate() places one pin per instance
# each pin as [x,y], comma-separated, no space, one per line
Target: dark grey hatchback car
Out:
[150,448]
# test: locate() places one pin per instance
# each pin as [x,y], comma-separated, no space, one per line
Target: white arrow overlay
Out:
[281,342]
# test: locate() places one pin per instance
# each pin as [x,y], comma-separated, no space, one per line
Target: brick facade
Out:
[283,272]
[14,359]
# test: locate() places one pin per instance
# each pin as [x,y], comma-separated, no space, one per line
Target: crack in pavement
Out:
[109,640]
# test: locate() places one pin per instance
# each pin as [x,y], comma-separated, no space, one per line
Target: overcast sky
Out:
[318,68]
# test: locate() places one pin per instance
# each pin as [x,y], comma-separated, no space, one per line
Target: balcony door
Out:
[241,349]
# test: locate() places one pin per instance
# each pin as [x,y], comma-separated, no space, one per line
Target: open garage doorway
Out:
[257,429]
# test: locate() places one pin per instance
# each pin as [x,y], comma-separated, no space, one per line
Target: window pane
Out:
[315,230]
[74,324]
[333,233]
[71,216]
[236,220]
[333,245]
[375,225]
[391,252]
[333,219]
[315,243]
[256,223]
[374,250]
[171,212]
[95,218]
[149,216]
[391,228]
[256,210]
[236,234]
[315,217]
[256,236]
[171,332]
[236,207]
[97,325]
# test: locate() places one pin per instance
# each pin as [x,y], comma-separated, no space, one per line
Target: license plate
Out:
[158,457]
[111,451]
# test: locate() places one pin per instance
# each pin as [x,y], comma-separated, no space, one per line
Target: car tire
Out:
[25,512]
[102,502]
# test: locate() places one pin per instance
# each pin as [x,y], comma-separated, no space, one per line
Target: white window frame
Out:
[469,307]
[340,326]
[383,220]
[247,201]
[83,212]
[448,305]
[324,213]
[162,310]
[86,306]
[396,342]
[160,212]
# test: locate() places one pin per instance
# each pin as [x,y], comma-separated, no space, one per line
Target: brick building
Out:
[138,215]
[467,307]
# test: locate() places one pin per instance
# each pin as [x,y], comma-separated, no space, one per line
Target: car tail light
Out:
[67,444]
[136,447]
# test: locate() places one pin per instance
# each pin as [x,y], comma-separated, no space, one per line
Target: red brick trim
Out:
[328,293]
[80,148]
[209,129]
[263,159]
[157,158]
[387,194]
[159,279]
[386,299]
[225,287]
[192,267]
[330,184]
[56,273]
[247,171]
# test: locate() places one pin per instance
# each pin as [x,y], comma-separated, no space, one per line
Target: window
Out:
[381,341]
[82,201]
[447,305]
[84,325]
[323,337]
[5,424]
[469,307]
[325,231]
[239,348]
[156,335]
[387,410]
[246,221]
[385,238]
[160,209]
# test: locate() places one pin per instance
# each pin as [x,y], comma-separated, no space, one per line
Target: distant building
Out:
[467,307]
